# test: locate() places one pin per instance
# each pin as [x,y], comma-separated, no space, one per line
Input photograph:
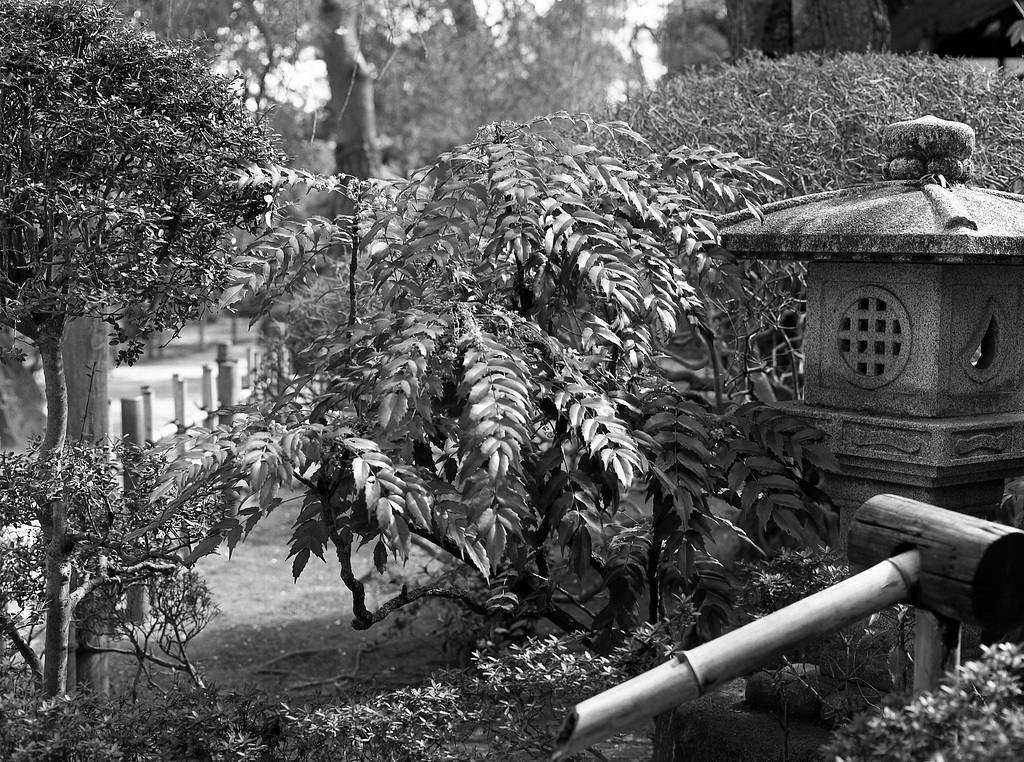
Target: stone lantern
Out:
[914,336]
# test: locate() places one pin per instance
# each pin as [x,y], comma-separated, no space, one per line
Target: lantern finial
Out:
[928,146]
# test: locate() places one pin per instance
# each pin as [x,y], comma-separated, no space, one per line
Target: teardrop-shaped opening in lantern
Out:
[985,353]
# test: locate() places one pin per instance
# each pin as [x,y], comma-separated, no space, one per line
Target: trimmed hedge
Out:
[818,118]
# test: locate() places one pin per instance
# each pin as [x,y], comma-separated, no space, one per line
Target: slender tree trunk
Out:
[53,519]
[352,115]
[86,357]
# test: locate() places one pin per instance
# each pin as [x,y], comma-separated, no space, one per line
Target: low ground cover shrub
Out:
[506,707]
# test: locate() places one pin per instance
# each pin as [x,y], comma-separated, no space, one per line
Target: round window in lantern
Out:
[874,337]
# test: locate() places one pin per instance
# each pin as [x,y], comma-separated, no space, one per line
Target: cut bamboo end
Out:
[622,707]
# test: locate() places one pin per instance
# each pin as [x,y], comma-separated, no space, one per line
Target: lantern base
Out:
[959,464]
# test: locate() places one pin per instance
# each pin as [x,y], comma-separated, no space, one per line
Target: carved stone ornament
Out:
[874,337]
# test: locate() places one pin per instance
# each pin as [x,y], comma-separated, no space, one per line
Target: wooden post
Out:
[936,649]
[250,367]
[137,601]
[966,562]
[73,637]
[91,636]
[234,328]
[178,390]
[133,432]
[209,395]
[147,414]
[228,389]
[229,392]
[202,333]
[132,423]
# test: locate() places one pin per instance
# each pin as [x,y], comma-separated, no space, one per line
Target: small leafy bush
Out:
[790,576]
[122,539]
[818,118]
[978,717]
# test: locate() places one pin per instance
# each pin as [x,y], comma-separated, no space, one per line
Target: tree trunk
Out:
[780,27]
[352,115]
[87,369]
[53,519]
[840,25]
[465,15]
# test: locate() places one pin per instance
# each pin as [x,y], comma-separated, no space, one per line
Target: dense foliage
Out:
[818,119]
[500,395]
[116,540]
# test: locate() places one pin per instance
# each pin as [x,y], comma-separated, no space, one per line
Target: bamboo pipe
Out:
[693,673]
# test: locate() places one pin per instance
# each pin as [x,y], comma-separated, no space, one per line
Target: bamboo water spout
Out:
[693,673]
[938,559]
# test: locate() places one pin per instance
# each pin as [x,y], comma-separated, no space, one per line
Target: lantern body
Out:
[927,340]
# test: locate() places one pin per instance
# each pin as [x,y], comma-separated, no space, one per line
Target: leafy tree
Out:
[448,78]
[500,397]
[117,192]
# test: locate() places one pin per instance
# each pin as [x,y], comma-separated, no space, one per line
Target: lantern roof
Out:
[924,211]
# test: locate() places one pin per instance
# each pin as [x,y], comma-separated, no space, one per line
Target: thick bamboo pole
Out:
[737,653]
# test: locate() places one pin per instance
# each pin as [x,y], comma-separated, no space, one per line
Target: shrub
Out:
[504,401]
[818,118]
[124,539]
[977,717]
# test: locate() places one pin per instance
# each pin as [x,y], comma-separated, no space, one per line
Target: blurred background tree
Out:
[434,70]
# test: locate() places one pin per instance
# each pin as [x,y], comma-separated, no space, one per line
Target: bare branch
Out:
[410,596]
[10,630]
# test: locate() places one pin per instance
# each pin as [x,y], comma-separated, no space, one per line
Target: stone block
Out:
[798,688]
